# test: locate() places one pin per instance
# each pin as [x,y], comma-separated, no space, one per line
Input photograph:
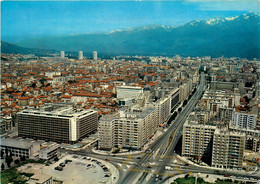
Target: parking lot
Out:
[77,170]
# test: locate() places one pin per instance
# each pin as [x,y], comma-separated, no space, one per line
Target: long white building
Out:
[60,124]
[130,92]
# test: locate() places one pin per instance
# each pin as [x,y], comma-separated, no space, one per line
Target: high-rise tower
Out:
[62,54]
[95,55]
[80,54]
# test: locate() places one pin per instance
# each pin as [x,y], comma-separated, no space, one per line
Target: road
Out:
[161,145]
[142,168]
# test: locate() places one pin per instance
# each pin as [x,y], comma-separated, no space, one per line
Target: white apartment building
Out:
[197,139]
[129,129]
[228,149]
[243,120]
[129,92]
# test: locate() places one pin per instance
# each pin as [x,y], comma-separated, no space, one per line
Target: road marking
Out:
[179,171]
[119,166]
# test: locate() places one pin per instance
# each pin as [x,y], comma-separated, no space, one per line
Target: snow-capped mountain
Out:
[231,36]
[214,21]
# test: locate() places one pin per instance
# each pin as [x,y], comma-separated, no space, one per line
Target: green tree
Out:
[8,160]
[2,166]
[17,161]
[23,158]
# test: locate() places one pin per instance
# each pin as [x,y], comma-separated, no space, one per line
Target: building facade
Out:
[228,149]
[129,129]
[60,125]
[243,120]
[197,140]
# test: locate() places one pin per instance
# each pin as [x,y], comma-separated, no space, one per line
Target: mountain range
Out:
[14,49]
[233,36]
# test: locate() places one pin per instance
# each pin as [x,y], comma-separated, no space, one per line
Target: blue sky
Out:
[27,19]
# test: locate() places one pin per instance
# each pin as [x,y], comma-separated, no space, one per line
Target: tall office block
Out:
[62,54]
[60,124]
[228,149]
[80,54]
[95,55]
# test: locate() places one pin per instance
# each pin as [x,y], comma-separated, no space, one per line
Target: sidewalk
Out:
[213,168]
[156,136]
[211,178]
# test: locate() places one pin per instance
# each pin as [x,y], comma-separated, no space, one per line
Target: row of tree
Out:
[8,156]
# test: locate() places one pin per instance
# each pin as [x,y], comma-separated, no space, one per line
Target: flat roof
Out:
[24,144]
[59,113]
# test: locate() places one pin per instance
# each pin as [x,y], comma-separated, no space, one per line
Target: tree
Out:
[8,161]
[2,166]
[10,153]
[2,154]
[185,103]
[23,158]
[6,152]
[17,161]
[179,110]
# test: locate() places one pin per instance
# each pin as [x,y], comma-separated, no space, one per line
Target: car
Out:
[138,158]
[62,164]
[58,168]
[107,159]
[89,165]
[156,179]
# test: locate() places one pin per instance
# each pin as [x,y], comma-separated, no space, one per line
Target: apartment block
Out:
[243,120]
[131,128]
[131,92]
[60,124]
[225,114]
[228,149]
[197,140]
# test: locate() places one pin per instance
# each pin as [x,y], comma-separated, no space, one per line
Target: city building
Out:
[80,54]
[228,149]
[55,123]
[225,114]
[6,123]
[62,54]
[128,92]
[95,55]
[197,140]
[20,148]
[49,153]
[131,128]
[243,120]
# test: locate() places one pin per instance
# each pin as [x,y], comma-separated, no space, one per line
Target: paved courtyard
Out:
[79,171]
